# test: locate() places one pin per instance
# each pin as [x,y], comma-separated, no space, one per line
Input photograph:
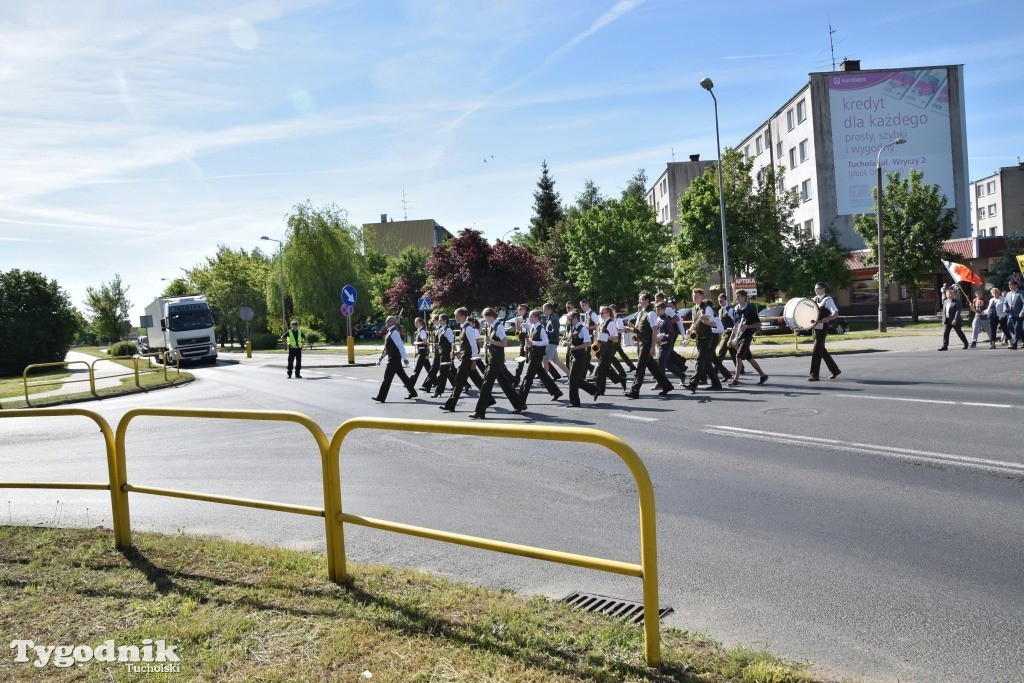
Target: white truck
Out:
[182,325]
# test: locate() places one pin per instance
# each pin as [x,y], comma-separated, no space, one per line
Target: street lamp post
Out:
[513,230]
[878,216]
[284,320]
[708,85]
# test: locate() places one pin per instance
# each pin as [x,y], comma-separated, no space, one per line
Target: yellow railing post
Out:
[63,364]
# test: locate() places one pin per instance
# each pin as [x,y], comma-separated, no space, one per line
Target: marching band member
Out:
[608,336]
[591,319]
[522,322]
[707,325]
[552,328]
[725,347]
[664,333]
[445,342]
[395,349]
[579,346]
[824,301]
[620,354]
[468,349]
[422,344]
[647,324]
[746,315]
[538,343]
[496,372]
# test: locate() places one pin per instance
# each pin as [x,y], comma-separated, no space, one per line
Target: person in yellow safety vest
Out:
[293,340]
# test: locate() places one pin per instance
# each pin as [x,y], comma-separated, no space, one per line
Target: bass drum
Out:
[801,314]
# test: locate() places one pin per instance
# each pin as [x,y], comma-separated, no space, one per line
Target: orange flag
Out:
[961,272]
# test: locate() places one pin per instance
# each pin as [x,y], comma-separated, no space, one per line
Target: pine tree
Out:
[547,210]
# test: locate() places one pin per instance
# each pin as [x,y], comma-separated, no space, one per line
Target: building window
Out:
[746,152]
[803,151]
[981,213]
[809,227]
[979,190]
[664,213]
[801,111]
[991,188]
[664,187]
[981,233]
[778,149]
[789,120]
[760,144]
[792,157]
[782,185]
[805,190]
[991,210]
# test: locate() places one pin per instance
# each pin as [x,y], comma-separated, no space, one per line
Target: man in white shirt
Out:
[647,324]
[421,341]
[468,351]
[538,343]
[608,336]
[441,372]
[820,353]
[707,325]
[496,371]
[579,346]
[395,349]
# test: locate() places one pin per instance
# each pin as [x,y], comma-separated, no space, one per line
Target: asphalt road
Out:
[870,524]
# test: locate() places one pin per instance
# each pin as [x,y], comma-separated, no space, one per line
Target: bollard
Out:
[351,350]
[248,349]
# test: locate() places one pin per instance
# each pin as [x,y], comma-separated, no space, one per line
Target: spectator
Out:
[996,317]
[980,309]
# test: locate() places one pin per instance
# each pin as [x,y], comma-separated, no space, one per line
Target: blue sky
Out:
[137,136]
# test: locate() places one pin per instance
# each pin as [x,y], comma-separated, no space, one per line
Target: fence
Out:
[91,368]
[335,517]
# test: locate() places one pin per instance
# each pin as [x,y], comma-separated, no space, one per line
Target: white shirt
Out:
[830,305]
[543,336]
[472,334]
[670,313]
[397,340]
[499,332]
[449,335]
[590,317]
[613,331]
[654,320]
[421,335]
[996,308]
[584,333]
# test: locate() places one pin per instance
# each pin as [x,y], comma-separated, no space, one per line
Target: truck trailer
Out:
[182,325]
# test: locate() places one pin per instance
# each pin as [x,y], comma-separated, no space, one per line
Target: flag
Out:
[961,272]
[1020,262]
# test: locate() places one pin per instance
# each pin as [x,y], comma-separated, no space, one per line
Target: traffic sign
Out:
[245,314]
[348,295]
[347,310]
[425,304]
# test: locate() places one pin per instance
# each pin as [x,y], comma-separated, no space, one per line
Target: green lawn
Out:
[238,612]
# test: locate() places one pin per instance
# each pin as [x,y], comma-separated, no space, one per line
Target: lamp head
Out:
[264,238]
[707,83]
[900,141]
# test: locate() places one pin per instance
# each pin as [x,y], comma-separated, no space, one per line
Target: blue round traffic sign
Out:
[348,295]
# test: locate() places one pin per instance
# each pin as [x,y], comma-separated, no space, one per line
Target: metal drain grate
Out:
[617,608]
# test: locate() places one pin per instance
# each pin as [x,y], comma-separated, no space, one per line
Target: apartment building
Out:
[997,203]
[671,185]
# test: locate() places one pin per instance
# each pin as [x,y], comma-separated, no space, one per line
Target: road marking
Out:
[355,378]
[627,416]
[975,404]
[996,466]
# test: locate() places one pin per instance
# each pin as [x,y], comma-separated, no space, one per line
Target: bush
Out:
[310,336]
[37,321]
[264,340]
[124,348]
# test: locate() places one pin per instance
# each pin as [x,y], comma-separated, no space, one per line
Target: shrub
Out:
[264,340]
[124,348]
[310,336]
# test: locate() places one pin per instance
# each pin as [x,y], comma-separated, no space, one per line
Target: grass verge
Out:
[238,612]
[15,386]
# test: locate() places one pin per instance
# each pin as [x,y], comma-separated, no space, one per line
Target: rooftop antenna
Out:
[831,43]
[673,154]
[405,206]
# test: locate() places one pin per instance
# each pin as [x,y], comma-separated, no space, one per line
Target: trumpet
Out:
[737,332]
[701,327]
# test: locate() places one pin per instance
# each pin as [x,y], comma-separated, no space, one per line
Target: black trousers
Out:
[435,367]
[295,357]
[444,374]
[394,367]
[820,353]
[536,369]
[422,363]
[497,372]
[606,369]
[578,378]
[670,361]
[625,357]
[946,327]
[525,355]
[460,382]
[645,362]
[720,347]
[705,363]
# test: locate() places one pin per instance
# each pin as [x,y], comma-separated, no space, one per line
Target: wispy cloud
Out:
[620,9]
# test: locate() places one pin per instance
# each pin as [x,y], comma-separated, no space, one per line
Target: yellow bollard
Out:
[351,351]
[248,349]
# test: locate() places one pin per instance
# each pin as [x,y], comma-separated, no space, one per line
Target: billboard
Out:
[870,109]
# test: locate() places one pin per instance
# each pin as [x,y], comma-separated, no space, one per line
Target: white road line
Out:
[996,466]
[627,416]
[975,404]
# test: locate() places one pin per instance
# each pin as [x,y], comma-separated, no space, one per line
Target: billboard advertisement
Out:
[872,109]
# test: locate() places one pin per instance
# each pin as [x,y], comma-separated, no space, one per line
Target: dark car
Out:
[773,321]
[374,331]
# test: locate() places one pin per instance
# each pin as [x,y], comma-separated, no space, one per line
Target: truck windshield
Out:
[194,317]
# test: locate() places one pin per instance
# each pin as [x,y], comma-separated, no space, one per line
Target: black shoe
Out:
[476,416]
[835,374]
[764,378]
[974,344]
[632,395]
[378,399]
[715,387]
[425,388]
[412,395]
[691,387]
[289,376]
[556,396]
[664,392]
[943,348]
[298,376]
[966,347]
[446,409]
[518,410]
[575,405]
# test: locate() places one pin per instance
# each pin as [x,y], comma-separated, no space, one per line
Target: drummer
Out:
[823,301]
[745,316]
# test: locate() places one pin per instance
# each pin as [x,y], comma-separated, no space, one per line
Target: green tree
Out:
[547,210]
[233,279]
[758,218]
[379,277]
[109,306]
[616,248]
[179,286]
[321,256]
[406,276]
[816,260]
[999,274]
[915,223]
[37,321]
[637,185]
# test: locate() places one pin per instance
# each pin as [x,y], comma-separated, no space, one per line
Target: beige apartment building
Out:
[997,203]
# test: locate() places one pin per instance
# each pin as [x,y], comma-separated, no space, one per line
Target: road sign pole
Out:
[351,343]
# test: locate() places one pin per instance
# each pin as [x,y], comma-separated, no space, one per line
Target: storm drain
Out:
[616,608]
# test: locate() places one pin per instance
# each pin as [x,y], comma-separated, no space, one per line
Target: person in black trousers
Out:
[496,371]
[421,340]
[722,345]
[579,346]
[951,319]
[443,358]
[467,353]
[395,349]
[820,353]
[706,332]
[522,322]
[293,340]
[647,323]
[538,345]
[608,336]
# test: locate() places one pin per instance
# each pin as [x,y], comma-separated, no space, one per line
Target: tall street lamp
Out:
[280,244]
[513,230]
[878,216]
[707,84]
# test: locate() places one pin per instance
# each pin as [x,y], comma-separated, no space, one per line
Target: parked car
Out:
[374,331]
[774,322]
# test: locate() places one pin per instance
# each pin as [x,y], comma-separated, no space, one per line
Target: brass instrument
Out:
[701,327]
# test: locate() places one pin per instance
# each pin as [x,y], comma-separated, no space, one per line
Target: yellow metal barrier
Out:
[135,365]
[123,487]
[647,570]
[121,539]
[24,376]
[165,355]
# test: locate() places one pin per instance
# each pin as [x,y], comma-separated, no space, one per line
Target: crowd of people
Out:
[1000,315]
[588,350]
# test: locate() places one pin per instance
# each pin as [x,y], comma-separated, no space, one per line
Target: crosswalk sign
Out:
[425,304]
